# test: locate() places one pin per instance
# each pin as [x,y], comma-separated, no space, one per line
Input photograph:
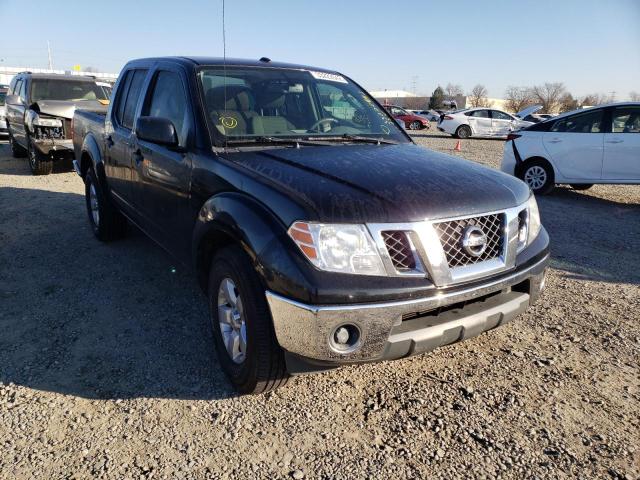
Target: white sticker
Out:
[332,77]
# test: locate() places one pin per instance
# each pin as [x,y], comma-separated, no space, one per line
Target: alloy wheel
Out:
[93,203]
[232,321]
[535,177]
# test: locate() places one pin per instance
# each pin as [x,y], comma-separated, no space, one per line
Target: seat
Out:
[273,122]
[233,116]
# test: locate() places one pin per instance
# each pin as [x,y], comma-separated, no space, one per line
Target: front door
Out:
[575,145]
[165,172]
[622,145]
[501,123]
[15,112]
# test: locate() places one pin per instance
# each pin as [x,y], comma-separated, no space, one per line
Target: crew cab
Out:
[319,232]
[39,109]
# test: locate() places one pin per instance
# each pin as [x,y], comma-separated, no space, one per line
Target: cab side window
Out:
[626,120]
[128,95]
[168,101]
[589,122]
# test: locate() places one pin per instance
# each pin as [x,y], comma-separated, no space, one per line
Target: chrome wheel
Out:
[231,319]
[535,177]
[93,204]
[414,126]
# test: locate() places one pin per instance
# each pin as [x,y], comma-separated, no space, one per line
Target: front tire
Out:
[581,186]
[106,222]
[415,125]
[38,163]
[539,176]
[463,132]
[243,332]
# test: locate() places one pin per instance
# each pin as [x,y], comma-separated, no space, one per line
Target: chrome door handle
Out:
[615,140]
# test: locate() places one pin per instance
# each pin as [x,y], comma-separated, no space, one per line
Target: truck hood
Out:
[380,183]
[65,109]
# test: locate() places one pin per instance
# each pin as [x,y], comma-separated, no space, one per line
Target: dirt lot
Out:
[107,371]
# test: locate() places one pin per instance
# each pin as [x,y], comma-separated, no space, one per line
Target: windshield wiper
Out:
[359,138]
[295,142]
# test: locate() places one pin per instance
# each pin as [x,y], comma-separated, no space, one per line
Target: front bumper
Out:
[399,329]
[56,149]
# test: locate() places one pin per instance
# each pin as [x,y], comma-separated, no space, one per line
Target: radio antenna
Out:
[224,71]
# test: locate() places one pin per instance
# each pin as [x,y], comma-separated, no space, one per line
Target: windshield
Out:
[281,103]
[3,94]
[69,90]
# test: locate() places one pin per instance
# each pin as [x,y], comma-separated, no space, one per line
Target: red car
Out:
[411,120]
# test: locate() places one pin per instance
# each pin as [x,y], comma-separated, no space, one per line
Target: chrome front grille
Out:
[399,249]
[451,233]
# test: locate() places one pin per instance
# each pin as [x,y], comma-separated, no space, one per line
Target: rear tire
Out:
[257,365]
[38,163]
[463,131]
[538,174]
[415,125]
[16,150]
[106,222]
[581,186]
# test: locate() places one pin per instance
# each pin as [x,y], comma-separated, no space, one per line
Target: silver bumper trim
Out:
[305,329]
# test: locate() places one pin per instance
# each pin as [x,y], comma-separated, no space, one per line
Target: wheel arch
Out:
[520,168]
[91,157]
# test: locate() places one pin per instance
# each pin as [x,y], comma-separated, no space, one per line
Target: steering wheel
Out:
[316,125]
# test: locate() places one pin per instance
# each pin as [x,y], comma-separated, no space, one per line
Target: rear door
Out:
[575,145]
[480,123]
[119,140]
[15,112]
[165,172]
[501,123]
[622,144]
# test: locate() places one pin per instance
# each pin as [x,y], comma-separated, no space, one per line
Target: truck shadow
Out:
[82,318]
[592,238]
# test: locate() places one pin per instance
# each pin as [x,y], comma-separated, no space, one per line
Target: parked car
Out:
[3,111]
[319,240]
[39,112]
[411,120]
[480,122]
[580,148]
[430,115]
[530,114]
[106,87]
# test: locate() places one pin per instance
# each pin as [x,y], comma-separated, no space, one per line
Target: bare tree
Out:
[478,96]
[549,95]
[518,98]
[594,99]
[634,96]
[452,91]
[568,103]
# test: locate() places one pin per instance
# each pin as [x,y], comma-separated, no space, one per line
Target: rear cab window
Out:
[128,96]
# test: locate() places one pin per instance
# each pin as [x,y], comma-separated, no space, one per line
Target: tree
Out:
[568,103]
[634,96]
[452,91]
[437,97]
[518,98]
[478,96]
[549,95]
[594,99]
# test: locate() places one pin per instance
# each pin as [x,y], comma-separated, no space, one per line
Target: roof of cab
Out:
[230,62]
[49,76]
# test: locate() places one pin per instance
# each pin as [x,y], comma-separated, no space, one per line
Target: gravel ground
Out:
[107,371]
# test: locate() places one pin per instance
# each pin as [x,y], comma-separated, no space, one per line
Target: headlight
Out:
[342,248]
[32,119]
[529,224]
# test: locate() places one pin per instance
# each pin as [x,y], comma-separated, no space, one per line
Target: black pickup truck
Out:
[321,234]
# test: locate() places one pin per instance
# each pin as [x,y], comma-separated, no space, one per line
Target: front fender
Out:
[235,218]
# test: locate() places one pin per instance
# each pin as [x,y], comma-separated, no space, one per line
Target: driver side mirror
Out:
[157,130]
[13,100]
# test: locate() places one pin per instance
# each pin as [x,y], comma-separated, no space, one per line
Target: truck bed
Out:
[85,121]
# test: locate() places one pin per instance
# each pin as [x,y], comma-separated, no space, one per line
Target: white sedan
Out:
[480,122]
[579,148]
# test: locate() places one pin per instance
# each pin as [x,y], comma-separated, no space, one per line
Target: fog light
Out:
[345,338]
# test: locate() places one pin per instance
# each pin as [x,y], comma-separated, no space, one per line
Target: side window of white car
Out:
[497,114]
[480,114]
[626,120]
[588,122]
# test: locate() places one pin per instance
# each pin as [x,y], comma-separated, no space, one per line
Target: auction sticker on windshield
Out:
[333,77]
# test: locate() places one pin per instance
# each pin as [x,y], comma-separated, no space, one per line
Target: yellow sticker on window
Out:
[228,122]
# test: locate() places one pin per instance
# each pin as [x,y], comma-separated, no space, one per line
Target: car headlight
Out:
[529,223]
[342,248]
[32,119]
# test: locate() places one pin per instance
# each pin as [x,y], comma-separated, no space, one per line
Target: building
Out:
[7,73]
[412,101]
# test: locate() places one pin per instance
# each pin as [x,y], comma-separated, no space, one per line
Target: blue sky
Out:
[591,46]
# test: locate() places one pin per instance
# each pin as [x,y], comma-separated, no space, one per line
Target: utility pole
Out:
[414,82]
[49,52]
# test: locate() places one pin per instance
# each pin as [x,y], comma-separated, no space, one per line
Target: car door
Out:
[480,123]
[16,110]
[119,141]
[400,114]
[575,145]
[501,123]
[622,144]
[165,172]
